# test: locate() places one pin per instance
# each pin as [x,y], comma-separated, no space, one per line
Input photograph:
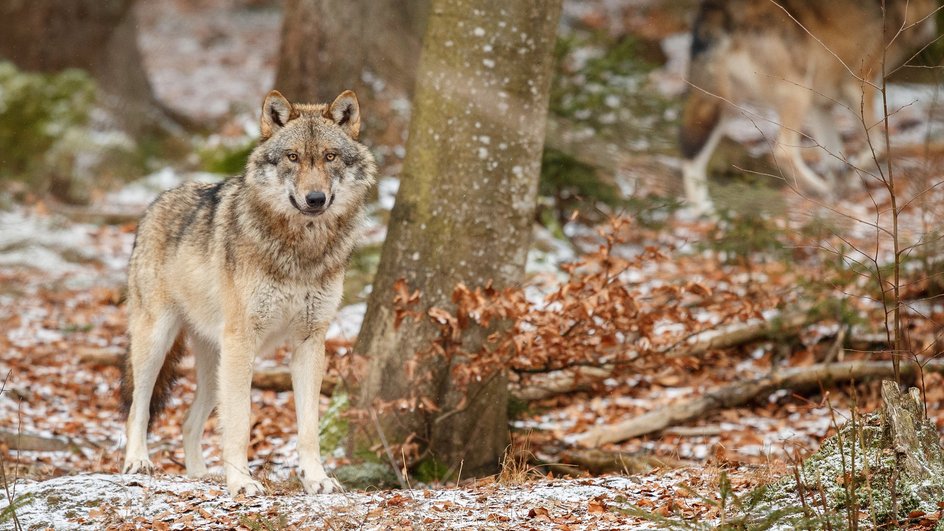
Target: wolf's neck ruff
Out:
[306,246]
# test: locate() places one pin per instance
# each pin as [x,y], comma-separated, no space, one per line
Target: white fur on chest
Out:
[270,312]
[279,312]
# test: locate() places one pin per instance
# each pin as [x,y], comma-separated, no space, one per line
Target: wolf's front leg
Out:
[235,410]
[308,368]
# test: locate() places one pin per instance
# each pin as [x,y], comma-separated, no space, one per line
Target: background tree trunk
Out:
[328,44]
[463,214]
[99,36]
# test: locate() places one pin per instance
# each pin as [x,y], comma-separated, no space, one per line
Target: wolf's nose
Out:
[315,199]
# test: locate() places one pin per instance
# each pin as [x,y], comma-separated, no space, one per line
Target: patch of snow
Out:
[387,188]
[142,192]
[93,500]
[347,323]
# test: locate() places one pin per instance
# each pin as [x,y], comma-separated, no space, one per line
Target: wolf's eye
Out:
[330,156]
[293,157]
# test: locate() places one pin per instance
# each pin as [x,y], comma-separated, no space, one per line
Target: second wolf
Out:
[800,57]
[239,268]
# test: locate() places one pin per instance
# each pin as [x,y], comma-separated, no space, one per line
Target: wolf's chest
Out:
[281,309]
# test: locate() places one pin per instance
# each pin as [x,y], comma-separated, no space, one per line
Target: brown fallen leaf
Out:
[596,506]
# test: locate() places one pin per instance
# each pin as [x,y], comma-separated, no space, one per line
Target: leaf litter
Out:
[60,298]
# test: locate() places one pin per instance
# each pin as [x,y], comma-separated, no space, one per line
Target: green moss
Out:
[600,99]
[430,470]
[360,272]
[227,158]
[38,112]
[47,139]
[748,234]
[333,428]
[600,82]
[563,176]
[367,475]
[35,111]
[517,407]
[862,486]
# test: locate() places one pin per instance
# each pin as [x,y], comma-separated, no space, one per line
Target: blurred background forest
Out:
[638,315]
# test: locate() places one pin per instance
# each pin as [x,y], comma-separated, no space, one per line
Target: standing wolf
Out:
[240,267]
[800,57]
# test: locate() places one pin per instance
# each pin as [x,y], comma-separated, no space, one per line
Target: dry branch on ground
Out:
[544,385]
[740,393]
[266,379]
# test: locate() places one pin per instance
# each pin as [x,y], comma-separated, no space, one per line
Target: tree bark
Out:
[328,44]
[99,36]
[463,214]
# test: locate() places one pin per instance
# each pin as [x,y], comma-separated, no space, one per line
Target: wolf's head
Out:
[309,160]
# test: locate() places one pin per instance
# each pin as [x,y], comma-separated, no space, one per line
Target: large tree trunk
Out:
[99,36]
[463,214]
[328,44]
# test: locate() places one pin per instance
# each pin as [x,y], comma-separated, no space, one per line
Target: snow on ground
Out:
[137,195]
[205,59]
[60,287]
[174,502]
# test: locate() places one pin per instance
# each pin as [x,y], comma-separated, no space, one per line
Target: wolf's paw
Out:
[321,486]
[139,466]
[245,486]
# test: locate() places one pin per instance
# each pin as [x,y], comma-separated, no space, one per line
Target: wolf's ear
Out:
[276,112]
[346,113]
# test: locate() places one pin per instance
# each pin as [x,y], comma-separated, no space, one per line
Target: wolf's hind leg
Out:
[787,151]
[308,368]
[151,339]
[823,127]
[695,174]
[701,129]
[207,359]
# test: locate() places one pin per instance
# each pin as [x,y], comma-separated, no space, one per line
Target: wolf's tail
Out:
[700,116]
[162,386]
[702,110]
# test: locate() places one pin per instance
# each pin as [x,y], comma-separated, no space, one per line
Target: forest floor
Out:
[62,323]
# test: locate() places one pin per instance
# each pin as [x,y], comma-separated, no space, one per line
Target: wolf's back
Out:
[186,214]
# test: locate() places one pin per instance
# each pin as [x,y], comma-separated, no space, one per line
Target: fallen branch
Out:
[554,383]
[545,385]
[26,442]
[784,324]
[695,431]
[737,394]
[598,462]
[101,217]
[264,379]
